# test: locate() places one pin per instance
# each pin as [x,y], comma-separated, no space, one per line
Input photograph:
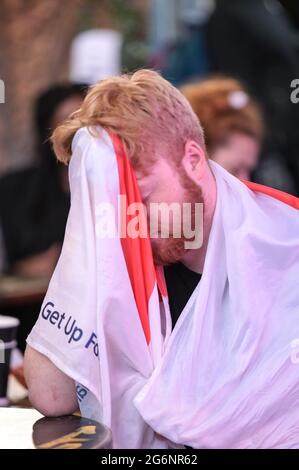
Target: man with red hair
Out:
[196,350]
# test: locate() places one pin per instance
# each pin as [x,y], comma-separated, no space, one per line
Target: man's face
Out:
[165,187]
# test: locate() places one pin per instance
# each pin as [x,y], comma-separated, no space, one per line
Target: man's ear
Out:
[194,160]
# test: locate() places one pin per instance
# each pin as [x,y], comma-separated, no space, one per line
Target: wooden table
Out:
[28,429]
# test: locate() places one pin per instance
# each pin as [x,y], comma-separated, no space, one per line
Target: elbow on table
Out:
[49,403]
[50,391]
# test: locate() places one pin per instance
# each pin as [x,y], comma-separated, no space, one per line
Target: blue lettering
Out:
[70,328]
[92,341]
[54,317]
[81,392]
[48,312]
[66,330]
[62,317]
[76,335]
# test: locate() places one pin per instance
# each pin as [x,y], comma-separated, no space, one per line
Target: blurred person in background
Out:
[34,202]
[255,41]
[178,39]
[232,123]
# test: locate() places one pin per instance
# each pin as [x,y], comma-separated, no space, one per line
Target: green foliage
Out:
[129,21]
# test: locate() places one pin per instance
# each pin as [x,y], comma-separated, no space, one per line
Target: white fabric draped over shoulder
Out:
[227,375]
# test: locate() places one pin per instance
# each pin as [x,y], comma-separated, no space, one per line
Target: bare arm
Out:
[50,391]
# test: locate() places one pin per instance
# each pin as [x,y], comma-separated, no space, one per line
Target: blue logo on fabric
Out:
[70,328]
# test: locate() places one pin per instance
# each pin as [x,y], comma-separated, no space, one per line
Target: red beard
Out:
[170,250]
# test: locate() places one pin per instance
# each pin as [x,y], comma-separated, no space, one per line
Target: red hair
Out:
[220,114]
[151,117]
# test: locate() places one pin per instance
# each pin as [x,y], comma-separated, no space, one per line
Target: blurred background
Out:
[236,62]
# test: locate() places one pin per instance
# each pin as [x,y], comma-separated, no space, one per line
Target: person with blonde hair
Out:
[232,123]
[175,327]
